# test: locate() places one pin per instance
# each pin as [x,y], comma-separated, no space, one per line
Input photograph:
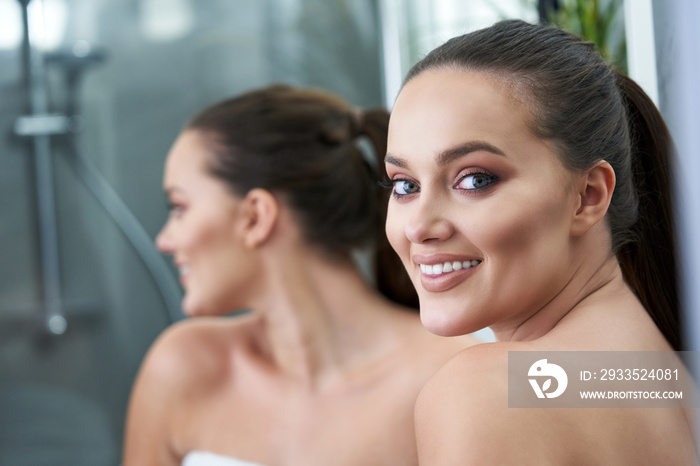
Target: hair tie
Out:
[369,153]
[363,142]
[358,116]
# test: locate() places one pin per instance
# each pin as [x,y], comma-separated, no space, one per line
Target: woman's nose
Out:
[163,240]
[428,224]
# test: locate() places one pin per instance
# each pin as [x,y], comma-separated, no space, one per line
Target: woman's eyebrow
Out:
[401,163]
[447,156]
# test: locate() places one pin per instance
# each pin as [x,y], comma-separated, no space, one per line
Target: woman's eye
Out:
[405,187]
[476,181]
[175,210]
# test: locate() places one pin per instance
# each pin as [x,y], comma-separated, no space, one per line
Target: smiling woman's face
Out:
[481,209]
[201,232]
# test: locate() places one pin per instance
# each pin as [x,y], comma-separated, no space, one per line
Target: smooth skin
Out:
[323,371]
[472,182]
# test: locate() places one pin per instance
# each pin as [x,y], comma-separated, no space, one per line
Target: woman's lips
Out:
[183,272]
[441,272]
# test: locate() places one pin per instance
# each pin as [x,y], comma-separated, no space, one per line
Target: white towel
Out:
[203,458]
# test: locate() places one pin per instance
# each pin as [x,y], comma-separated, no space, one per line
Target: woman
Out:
[517,151]
[270,195]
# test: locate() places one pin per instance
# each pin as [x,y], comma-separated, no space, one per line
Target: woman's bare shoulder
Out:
[462,417]
[187,361]
[195,351]
[476,367]
[462,414]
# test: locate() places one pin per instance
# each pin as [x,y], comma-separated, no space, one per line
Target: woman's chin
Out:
[445,323]
[190,307]
[438,323]
[193,307]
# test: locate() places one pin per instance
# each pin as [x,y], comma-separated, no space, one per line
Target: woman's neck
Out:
[592,277]
[319,319]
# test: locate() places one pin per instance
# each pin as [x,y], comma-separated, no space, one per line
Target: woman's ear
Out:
[595,190]
[261,211]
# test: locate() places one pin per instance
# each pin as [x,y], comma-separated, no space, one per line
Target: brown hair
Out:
[304,145]
[590,113]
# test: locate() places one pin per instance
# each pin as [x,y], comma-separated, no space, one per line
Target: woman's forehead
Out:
[447,108]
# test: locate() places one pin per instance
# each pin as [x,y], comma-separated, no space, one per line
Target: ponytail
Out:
[649,262]
[392,280]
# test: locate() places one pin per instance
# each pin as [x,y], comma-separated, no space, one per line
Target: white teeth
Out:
[447,267]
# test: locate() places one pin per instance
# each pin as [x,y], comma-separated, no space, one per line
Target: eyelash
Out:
[391,184]
[492,177]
